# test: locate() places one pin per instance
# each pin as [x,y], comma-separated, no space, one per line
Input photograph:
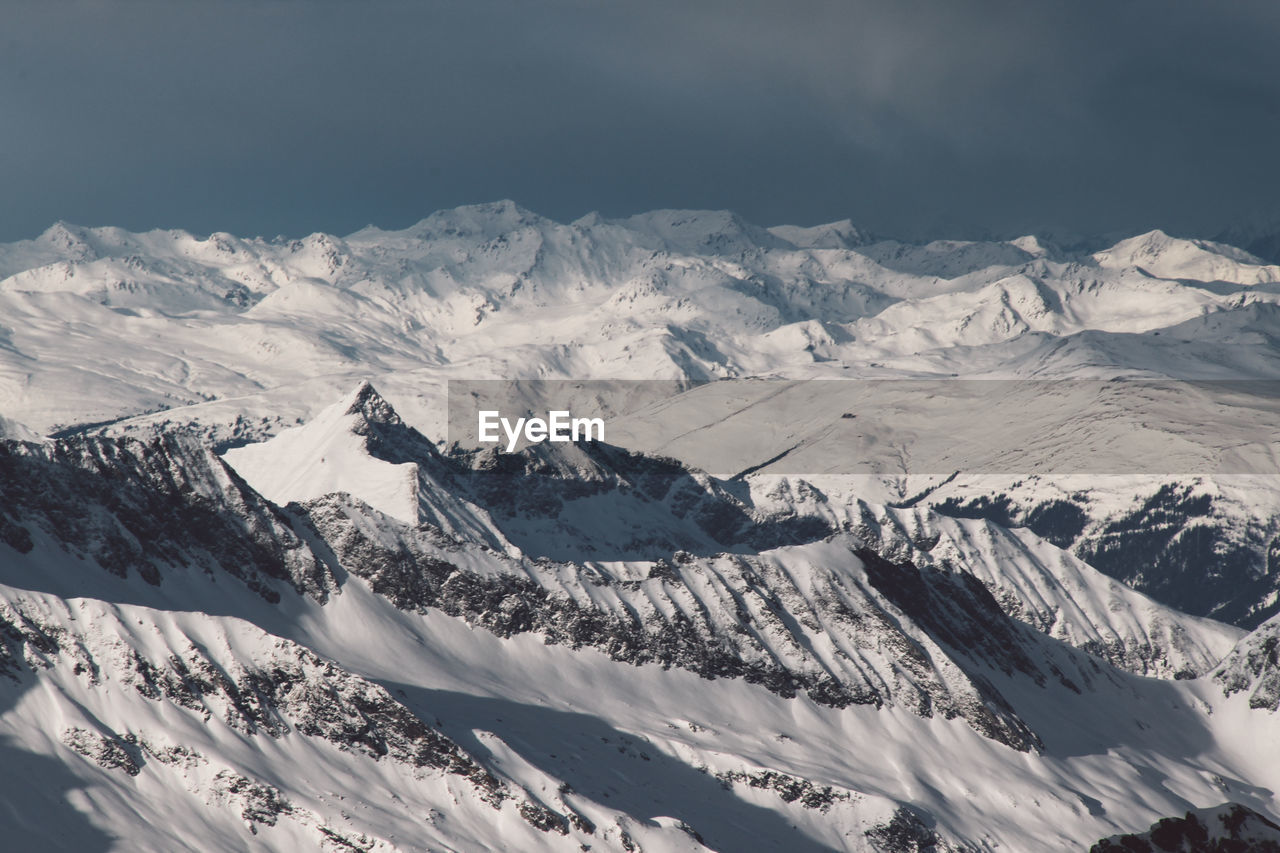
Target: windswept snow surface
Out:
[329,455]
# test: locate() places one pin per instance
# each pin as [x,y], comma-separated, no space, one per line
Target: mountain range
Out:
[253,596]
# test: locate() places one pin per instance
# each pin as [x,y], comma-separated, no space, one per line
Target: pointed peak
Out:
[1035,246]
[61,227]
[371,406]
[842,234]
[472,220]
[363,390]
[353,446]
[702,231]
[70,240]
[1167,256]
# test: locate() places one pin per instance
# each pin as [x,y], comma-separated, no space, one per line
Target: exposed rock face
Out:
[257,802]
[406,566]
[1052,591]
[789,788]
[108,751]
[287,690]
[1031,580]
[907,832]
[901,637]
[1229,828]
[150,507]
[1253,667]
[296,690]
[547,500]
[1185,545]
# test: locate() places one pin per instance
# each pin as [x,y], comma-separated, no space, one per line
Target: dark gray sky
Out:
[909,116]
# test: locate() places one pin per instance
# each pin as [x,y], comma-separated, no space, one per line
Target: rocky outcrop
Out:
[1030,579]
[909,831]
[1229,828]
[1253,667]
[152,508]
[546,499]
[107,751]
[790,789]
[286,690]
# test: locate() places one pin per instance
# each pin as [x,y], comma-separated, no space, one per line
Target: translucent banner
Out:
[890,427]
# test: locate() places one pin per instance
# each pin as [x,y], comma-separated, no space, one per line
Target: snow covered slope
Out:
[361,447]
[1172,488]
[190,731]
[329,454]
[1033,580]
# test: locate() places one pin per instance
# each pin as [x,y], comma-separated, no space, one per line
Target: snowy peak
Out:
[331,454]
[179,320]
[1162,256]
[713,232]
[370,408]
[833,235]
[360,447]
[484,221]
[1035,246]
[60,243]
[69,242]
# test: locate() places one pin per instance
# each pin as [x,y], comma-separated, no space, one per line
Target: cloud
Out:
[915,116]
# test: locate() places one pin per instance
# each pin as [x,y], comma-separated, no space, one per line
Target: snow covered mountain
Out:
[104,534]
[115,323]
[246,600]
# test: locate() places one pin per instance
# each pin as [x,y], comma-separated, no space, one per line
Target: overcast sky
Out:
[909,116]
